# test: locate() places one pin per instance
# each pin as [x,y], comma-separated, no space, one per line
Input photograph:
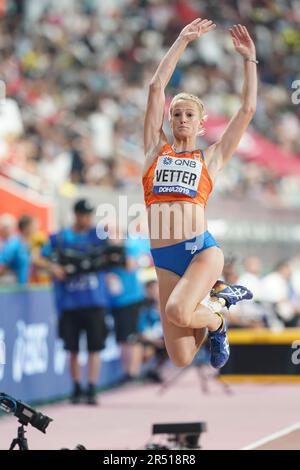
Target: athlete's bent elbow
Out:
[248,110]
[155,84]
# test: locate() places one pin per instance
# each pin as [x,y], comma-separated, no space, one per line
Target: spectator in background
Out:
[126,293]
[277,291]
[252,276]
[295,266]
[15,252]
[141,242]
[28,228]
[38,241]
[8,226]
[229,271]
[250,314]
[81,299]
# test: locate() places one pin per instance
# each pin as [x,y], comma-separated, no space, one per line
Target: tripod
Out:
[21,440]
[204,372]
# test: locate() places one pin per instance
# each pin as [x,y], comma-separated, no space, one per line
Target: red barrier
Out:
[18,201]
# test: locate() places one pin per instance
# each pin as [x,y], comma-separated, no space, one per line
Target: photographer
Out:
[81,298]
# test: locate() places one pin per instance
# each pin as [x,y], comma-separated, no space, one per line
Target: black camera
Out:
[182,436]
[25,414]
[93,259]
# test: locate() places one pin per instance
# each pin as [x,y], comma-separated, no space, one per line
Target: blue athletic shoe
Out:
[219,347]
[231,293]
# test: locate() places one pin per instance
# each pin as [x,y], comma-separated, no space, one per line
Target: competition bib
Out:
[177,176]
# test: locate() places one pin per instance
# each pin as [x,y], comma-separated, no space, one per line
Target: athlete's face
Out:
[185,120]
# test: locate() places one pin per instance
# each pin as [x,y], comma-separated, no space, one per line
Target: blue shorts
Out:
[176,258]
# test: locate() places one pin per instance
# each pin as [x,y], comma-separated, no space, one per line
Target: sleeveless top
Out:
[173,176]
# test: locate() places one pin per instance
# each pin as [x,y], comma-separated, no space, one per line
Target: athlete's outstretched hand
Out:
[242,41]
[196,28]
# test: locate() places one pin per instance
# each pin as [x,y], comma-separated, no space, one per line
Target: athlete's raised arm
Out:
[153,133]
[227,144]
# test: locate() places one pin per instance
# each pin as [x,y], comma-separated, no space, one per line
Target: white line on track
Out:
[272,437]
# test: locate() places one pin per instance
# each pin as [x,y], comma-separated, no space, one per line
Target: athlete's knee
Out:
[176,313]
[182,359]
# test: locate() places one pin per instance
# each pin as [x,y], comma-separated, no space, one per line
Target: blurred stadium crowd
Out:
[76,72]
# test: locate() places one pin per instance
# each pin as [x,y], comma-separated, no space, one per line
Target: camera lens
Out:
[40,421]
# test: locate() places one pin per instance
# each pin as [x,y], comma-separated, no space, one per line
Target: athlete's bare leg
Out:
[185,320]
[200,276]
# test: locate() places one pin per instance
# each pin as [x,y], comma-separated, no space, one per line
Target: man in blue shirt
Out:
[81,299]
[15,251]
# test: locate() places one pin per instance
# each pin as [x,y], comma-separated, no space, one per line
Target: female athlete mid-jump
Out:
[177,180]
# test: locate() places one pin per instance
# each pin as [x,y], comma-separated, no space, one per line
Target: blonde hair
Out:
[188,97]
[195,99]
